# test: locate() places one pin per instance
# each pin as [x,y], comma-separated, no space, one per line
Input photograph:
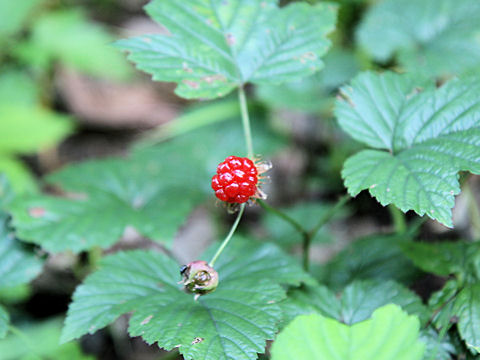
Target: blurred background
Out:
[67,95]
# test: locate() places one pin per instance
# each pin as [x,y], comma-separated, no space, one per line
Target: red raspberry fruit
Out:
[236,180]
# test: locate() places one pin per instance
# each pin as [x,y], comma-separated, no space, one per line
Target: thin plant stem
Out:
[307,239]
[398,218]
[307,236]
[246,122]
[229,236]
[249,143]
[283,216]
[329,214]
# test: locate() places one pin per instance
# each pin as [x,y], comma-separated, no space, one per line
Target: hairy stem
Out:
[229,236]
[246,122]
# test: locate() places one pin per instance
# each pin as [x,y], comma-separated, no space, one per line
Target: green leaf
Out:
[42,343]
[437,37]
[389,335]
[152,191]
[123,193]
[27,129]
[17,174]
[16,87]
[17,265]
[361,298]
[69,37]
[444,258]
[372,257]
[441,304]
[6,192]
[213,47]
[13,15]
[313,93]
[25,126]
[435,347]
[467,309]
[233,322]
[4,321]
[429,136]
[356,303]
[311,299]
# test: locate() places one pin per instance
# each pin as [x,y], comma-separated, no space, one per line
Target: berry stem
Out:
[228,237]
[246,122]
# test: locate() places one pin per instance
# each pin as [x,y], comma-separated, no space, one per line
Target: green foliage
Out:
[17,265]
[373,257]
[213,47]
[4,320]
[69,37]
[423,137]
[40,341]
[316,337]
[313,93]
[13,15]
[355,304]
[459,258]
[25,126]
[306,214]
[152,191]
[467,309]
[436,348]
[232,322]
[438,37]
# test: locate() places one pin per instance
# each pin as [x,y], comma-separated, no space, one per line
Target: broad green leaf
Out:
[27,129]
[312,93]
[213,47]
[310,299]
[390,334]
[111,195]
[16,87]
[13,15]
[40,342]
[441,304]
[423,139]
[444,258]
[24,126]
[233,322]
[6,192]
[69,37]
[357,301]
[467,309]
[435,347]
[361,298]
[373,257]
[154,191]
[17,174]
[266,260]
[439,37]
[4,320]
[17,265]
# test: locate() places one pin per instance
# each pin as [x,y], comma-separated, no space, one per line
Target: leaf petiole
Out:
[229,236]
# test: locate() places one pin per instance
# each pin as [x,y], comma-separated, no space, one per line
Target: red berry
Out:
[236,180]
